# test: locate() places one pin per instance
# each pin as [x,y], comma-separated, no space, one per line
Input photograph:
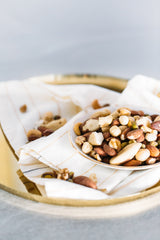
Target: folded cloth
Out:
[56,151]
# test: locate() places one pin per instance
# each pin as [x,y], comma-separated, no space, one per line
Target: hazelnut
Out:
[48,116]
[115,131]
[33,134]
[123,120]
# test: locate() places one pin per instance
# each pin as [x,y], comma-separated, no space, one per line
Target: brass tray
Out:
[12,179]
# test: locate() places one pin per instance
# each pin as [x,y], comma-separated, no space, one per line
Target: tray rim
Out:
[104,81]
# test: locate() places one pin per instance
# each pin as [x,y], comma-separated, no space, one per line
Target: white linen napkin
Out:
[56,150]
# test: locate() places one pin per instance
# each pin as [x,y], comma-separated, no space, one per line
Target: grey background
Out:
[112,37]
[120,38]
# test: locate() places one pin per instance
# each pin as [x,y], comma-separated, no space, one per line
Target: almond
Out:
[156,126]
[132,162]
[151,160]
[141,138]
[100,151]
[134,134]
[110,151]
[140,113]
[124,134]
[85,181]
[154,152]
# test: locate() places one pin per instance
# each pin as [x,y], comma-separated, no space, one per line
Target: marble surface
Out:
[119,38]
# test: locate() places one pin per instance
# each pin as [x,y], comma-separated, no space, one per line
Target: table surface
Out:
[110,37]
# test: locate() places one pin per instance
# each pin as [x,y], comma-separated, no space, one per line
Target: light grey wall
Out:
[111,37]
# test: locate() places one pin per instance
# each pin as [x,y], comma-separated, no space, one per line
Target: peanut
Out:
[33,134]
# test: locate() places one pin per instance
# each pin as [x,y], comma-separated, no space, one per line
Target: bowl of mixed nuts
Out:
[120,138]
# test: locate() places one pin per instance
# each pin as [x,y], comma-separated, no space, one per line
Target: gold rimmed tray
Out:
[13,181]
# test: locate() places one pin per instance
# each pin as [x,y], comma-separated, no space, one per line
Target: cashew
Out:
[55,124]
[76,128]
[105,121]
[96,138]
[102,113]
[91,125]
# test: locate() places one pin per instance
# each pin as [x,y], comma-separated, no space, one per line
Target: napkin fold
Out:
[56,151]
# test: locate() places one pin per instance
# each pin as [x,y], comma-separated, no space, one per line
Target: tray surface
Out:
[13,181]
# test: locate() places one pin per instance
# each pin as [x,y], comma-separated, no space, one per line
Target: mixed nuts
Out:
[124,137]
[46,126]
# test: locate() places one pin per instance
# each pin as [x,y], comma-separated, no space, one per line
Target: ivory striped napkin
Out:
[56,150]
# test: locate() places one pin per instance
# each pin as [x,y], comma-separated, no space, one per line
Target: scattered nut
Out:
[77,129]
[48,116]
[87,147]
[56,117]
[142,155]
[33,134]
[85,181]
[56,124]
[95,104]
[102,113]
[47,132]
[23,108]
